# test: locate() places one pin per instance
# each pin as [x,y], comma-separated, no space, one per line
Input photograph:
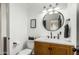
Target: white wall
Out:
[35,12]
[18,26]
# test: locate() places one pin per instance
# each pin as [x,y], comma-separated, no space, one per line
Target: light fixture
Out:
[57,8]
[55,12]
[50,8]
[51,12]
[44,9]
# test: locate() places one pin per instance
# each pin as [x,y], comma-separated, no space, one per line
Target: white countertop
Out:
[57,41]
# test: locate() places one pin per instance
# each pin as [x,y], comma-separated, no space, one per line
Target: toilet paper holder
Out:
[14,44]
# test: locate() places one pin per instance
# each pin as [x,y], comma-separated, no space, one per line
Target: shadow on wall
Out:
[77,24]
[25,45]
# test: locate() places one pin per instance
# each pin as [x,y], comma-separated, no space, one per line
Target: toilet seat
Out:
[25,52]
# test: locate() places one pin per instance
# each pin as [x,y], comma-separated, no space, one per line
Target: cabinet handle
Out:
[50,51]
[50,48]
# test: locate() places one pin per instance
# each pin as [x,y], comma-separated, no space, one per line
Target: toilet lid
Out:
[25,52]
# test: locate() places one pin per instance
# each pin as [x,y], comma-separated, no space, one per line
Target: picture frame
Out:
[33,23]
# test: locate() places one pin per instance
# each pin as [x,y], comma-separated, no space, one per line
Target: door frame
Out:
[4,27]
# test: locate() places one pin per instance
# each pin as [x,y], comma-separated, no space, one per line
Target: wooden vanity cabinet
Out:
[43,48]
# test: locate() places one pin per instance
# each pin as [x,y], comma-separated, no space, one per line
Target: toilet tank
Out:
[30,44]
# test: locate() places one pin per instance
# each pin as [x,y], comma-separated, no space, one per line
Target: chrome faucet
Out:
[51,35]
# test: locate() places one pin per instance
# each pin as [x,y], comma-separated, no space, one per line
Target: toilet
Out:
[29,49]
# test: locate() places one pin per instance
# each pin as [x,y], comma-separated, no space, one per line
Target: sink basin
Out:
[57,41]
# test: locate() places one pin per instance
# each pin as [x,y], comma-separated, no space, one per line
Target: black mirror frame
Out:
[56,29]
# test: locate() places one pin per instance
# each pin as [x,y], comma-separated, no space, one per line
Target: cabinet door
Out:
[58,49]
[41,48]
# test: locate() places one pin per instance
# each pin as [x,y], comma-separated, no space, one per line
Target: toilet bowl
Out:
[25,52]
[29,49]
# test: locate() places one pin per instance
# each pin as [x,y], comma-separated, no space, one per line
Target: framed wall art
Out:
[33,23]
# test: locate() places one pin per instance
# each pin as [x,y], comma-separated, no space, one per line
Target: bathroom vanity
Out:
[58,41]
[50,47]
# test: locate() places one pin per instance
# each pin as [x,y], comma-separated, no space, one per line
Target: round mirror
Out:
[53,20]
